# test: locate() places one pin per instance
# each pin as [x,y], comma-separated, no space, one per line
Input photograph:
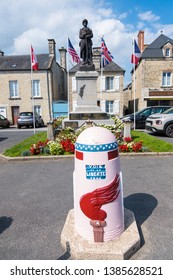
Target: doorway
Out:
[15,113]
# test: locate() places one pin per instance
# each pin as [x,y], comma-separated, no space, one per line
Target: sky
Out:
[32,22]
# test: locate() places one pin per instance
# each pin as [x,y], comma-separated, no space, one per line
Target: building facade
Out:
[153,76]
[109,86]
[22,89]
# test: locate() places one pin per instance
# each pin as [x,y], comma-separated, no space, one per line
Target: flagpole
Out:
[101,80]
[134,97]
[134,94]
[32,95]
[75,58]
[68,86]
[101,84]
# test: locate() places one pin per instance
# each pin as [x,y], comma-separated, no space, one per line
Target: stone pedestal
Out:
[127,128]
[50,131]
[87,108]
[87,91]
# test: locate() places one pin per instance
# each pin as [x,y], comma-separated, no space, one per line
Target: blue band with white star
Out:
[96,148]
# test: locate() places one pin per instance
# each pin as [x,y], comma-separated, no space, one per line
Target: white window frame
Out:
[167,52]
[37,109]
[109,83]
[109,106]
[166,79]
[14,89]
[36,88]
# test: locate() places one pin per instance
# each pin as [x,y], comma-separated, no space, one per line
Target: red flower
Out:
[128,139]
[68,146]
[137,147]
[37,149]
[123,148]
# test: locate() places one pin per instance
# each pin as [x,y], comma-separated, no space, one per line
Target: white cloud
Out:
[33,22]
[30,37]
[148,16]
[123,15]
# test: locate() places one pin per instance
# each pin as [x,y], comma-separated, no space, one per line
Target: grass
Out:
[150,143]
[15,151]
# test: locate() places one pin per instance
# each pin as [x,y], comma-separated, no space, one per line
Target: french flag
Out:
[34,62]
[136,53]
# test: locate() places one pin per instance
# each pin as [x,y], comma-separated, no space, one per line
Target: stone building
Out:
[128,106]
[109,86]
[21,91]
[153,76]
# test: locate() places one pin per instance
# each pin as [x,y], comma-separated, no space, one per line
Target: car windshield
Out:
[169,111]
[28,114]
[143,111]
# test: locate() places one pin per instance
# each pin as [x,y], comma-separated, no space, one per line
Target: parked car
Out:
[27,119]
[4,122]
[161,123]
[142,115]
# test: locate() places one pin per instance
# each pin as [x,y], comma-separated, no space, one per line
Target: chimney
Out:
[52,48]
[63,62]
[141,40]
[1,53]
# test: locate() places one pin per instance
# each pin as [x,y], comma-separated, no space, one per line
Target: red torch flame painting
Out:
[91,203]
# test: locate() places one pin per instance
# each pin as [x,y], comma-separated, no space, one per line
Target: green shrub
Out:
[26,153]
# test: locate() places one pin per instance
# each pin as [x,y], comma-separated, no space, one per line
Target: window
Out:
[109,83]
[109,107]
[166,79]
[14,91]
[37,109]
[36,88]
[167,52]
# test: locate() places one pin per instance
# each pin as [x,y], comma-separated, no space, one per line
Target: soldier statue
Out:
[85,34]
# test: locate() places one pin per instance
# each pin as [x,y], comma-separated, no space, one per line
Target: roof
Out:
[111,67]
[23,62]
[154,50]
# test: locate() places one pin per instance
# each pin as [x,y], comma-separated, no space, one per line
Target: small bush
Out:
[26,153]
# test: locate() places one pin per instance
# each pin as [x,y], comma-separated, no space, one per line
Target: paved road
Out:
[35,198]
[160,136]
[12,136]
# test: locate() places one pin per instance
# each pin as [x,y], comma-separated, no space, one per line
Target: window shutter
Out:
[116,107]
[103,105]
[103,83]
[117,83]
[74,105]
[74,84]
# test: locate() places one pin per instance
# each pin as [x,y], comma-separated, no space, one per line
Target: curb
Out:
[32,158]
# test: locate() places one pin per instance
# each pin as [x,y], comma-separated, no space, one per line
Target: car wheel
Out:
[169,130]
[18,126]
